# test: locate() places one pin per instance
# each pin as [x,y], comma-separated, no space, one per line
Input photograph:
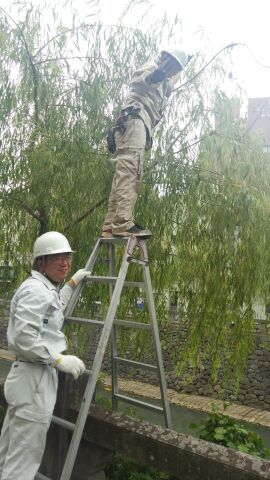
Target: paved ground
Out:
[195,402]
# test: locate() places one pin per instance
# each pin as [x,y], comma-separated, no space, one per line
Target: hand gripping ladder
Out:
[109,326]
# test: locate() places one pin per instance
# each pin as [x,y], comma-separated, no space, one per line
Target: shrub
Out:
[123,468]
[223,430]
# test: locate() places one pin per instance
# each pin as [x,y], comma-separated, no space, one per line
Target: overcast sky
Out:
[212,24]
[207,25]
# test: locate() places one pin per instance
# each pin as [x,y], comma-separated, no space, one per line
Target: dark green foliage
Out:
[123,468]
[205,193]
[224,430]
[103,401]
[2,414]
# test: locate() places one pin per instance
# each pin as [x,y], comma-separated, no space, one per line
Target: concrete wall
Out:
[258,120]
[183,456]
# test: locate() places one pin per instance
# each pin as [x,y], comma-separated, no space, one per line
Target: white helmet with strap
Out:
[50,243]
[178,54]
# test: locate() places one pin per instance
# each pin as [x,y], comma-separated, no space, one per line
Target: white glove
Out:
[70,364]
[79,276]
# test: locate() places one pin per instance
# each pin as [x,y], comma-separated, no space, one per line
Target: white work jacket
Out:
[36,317]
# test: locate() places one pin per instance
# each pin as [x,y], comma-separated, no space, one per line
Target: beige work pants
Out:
[30,391]
[128,168]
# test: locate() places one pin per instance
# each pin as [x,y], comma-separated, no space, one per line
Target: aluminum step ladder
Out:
[109,327]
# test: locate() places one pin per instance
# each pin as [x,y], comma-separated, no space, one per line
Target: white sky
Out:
[210,25]
[207,25]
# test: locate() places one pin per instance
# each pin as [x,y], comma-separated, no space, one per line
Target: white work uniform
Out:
[35,337]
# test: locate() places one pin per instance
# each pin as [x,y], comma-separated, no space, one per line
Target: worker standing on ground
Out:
[35,337]
[143,110]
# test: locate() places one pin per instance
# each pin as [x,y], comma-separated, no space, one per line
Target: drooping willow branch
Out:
[231,45]
[34,76]
[85,214]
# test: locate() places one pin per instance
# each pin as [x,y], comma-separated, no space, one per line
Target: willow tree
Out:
[205,191]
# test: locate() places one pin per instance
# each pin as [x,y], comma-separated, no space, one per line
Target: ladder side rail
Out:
[114,350]
[77,291]
[158,352]
[91,385]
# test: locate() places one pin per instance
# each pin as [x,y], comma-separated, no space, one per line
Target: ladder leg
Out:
[114,368]
[76,293]
[154,325]
[90,388]
[114,352]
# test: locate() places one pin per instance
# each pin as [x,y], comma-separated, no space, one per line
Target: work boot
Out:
[135,231]
[107,233]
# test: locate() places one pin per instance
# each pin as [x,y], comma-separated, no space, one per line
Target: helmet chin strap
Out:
[43,272]
[52,281]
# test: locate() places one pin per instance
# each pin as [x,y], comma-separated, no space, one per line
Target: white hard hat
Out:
[178,54]
[50,243]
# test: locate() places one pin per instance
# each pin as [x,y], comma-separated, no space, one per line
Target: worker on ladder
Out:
[35,338]
[143,110]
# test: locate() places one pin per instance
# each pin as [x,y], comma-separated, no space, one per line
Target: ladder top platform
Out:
[120,240]
[113,240]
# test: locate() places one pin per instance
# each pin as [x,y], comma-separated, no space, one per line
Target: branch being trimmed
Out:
[9,198]
[55,59]
[231,45]
[86,214]
[68,30]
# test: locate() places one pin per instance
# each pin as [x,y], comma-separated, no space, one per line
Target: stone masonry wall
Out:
[254,390]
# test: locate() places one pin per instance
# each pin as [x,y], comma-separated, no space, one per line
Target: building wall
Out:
[258,120]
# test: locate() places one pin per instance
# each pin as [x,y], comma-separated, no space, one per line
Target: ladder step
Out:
[135,260]
[134,284]
[100,323]
[133,363]
[39,476]
[84,321]
[107,279]
[130,324]
[100,279]
[63,423]
[140,403]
